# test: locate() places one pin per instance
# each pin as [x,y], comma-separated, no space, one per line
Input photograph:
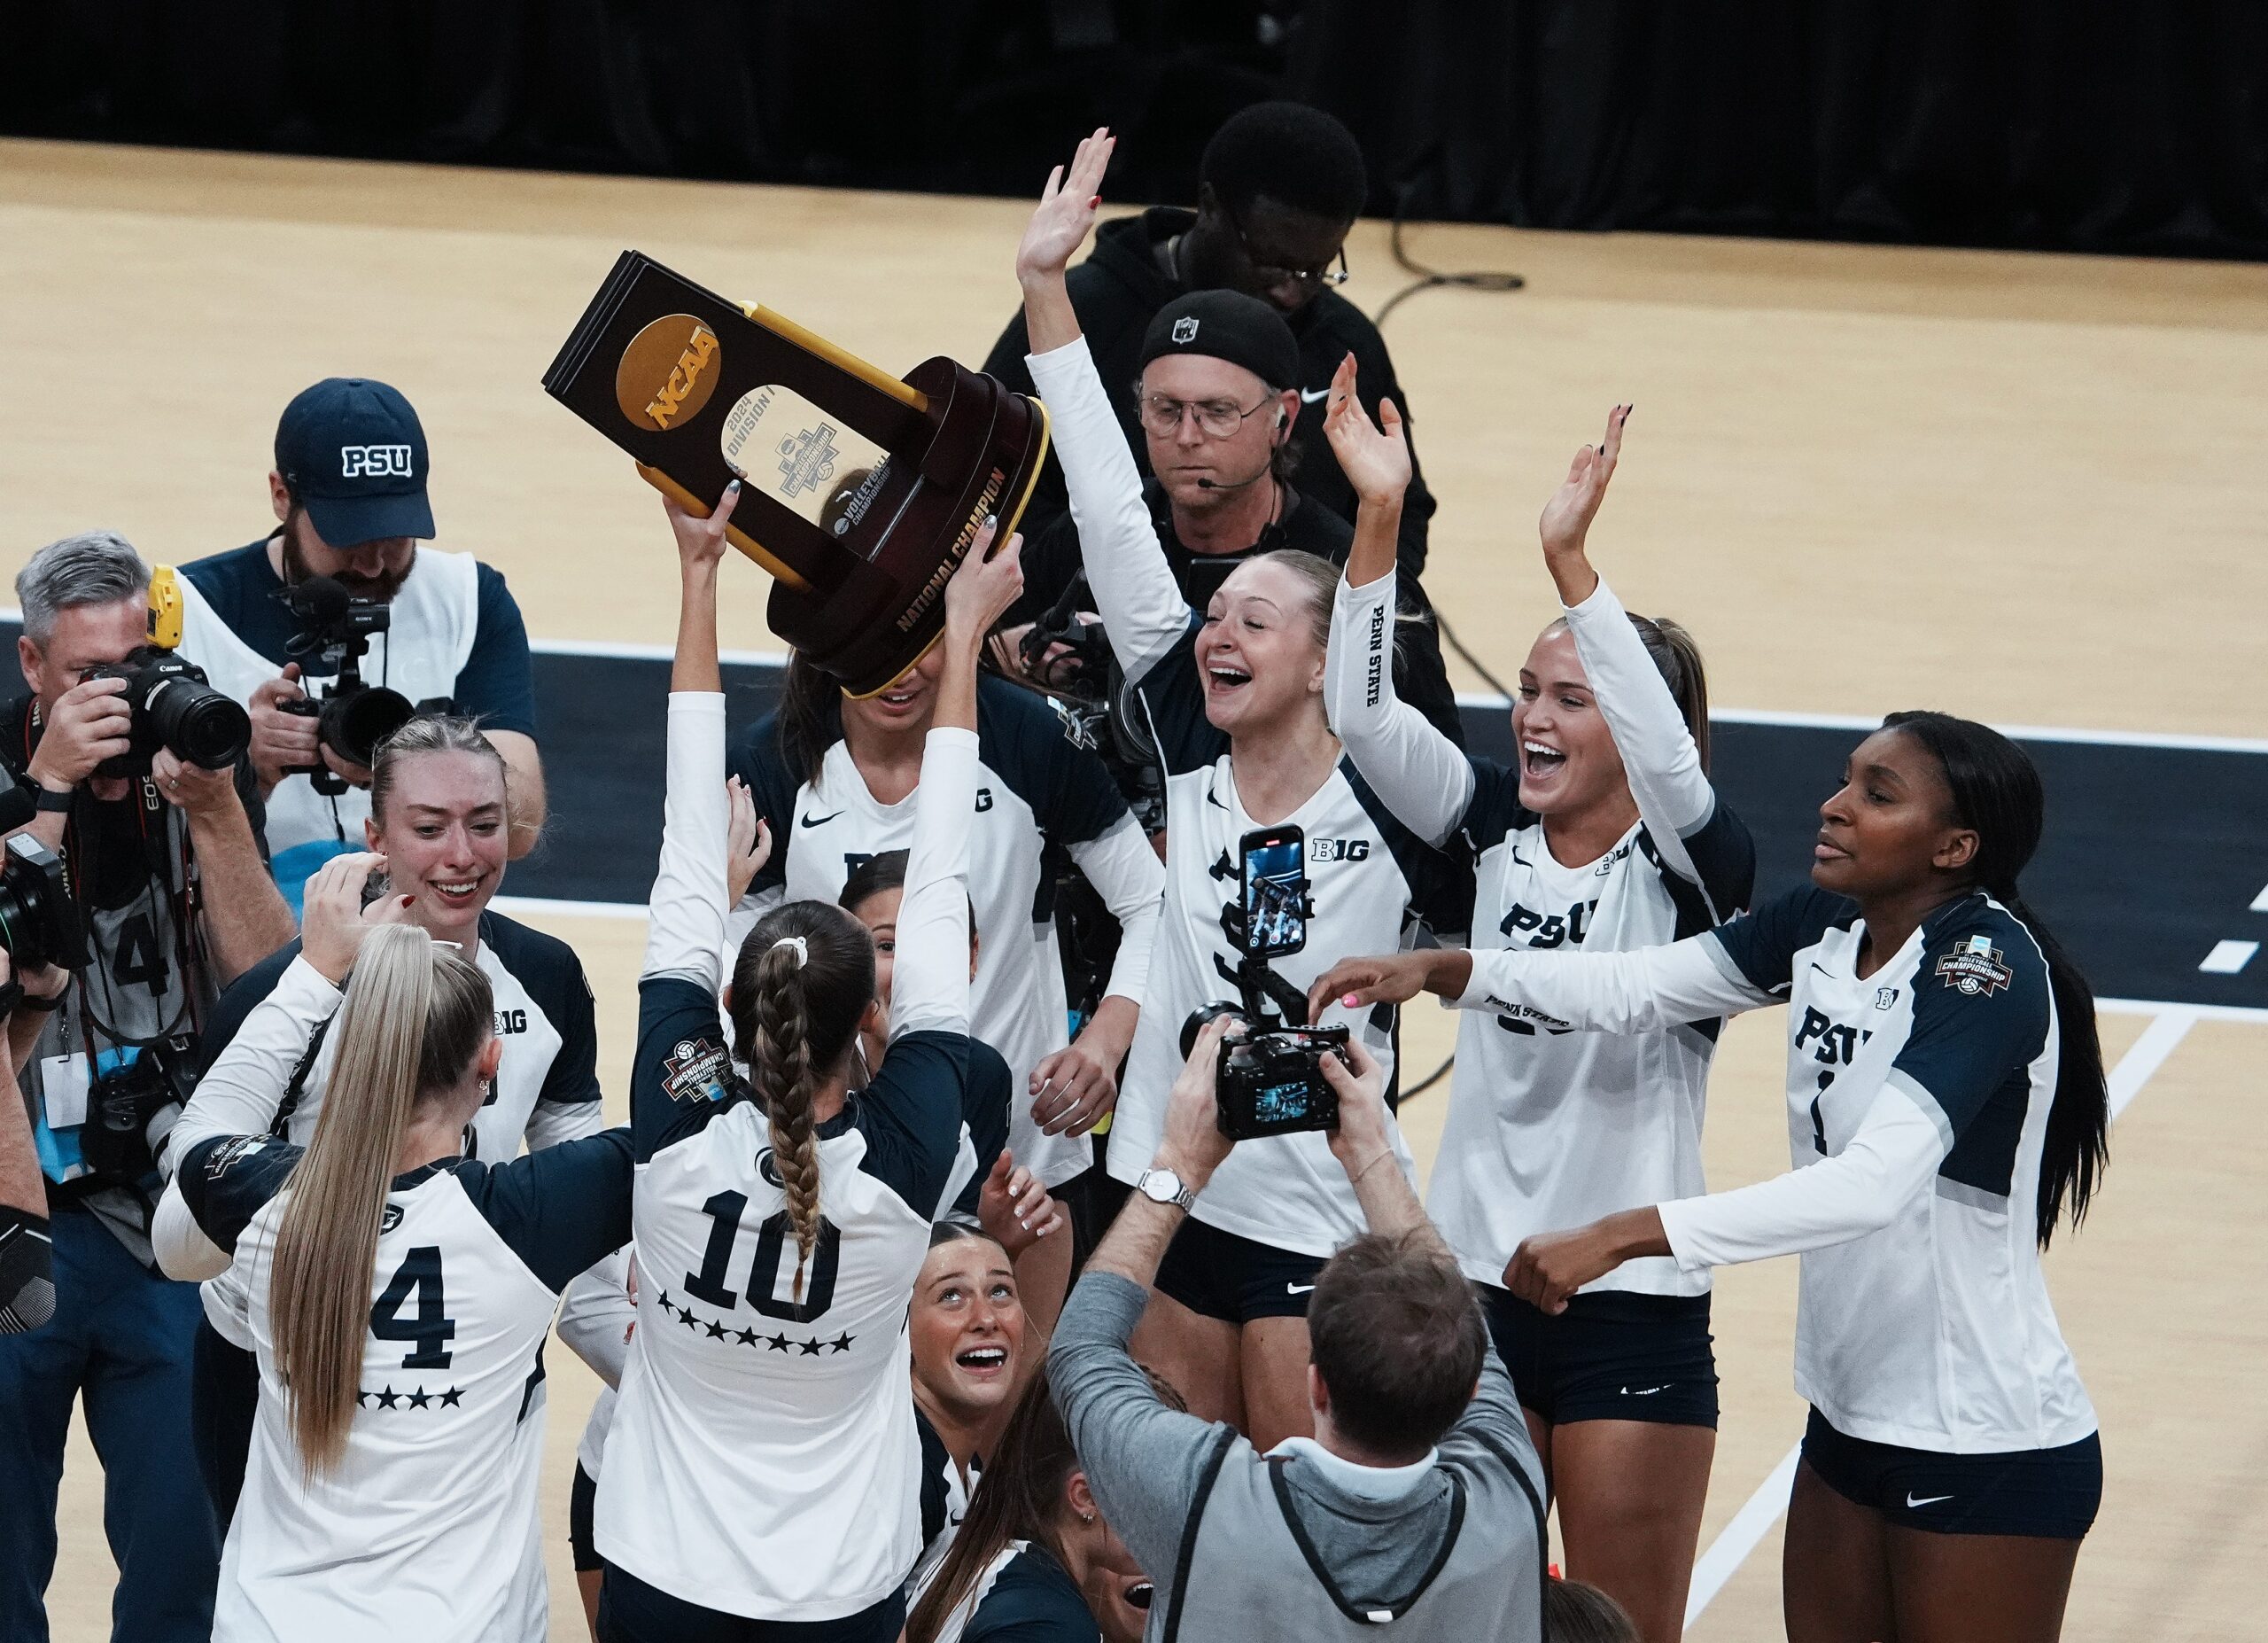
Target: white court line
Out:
[2260,901]
[1749,1526]
[2227,958]
[540,906]
[516,906]
[625,651]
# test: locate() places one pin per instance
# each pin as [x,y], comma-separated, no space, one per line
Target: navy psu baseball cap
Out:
[352,452]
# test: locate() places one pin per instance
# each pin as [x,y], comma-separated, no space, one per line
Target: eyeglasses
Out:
[1217,420]
[1269,274]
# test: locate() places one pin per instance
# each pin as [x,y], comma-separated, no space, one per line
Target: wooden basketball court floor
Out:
[2022,487]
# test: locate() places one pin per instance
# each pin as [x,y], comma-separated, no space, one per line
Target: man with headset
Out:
[1216,404]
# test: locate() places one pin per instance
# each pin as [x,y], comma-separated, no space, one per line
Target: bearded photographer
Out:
[1418,1500]
[341,595]
[162,890]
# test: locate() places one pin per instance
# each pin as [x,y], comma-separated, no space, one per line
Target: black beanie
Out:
[1227,325]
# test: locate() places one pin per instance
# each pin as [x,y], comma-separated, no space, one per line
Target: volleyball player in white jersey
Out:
[397,1296]
[1235,696]
[439,816]
[1945,1106]
[837,775]
[760,1479]
[1606,834]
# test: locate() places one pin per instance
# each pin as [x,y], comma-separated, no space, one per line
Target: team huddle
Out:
[935,1295]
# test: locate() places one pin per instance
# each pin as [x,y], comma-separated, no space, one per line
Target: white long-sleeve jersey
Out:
[1918,1096]
[763,1459]
[1374,884]
[1033,790]
[1550,1128]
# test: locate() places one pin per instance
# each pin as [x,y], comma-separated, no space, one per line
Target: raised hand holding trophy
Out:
[860,493]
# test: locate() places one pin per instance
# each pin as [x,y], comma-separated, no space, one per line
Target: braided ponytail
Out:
[804,976]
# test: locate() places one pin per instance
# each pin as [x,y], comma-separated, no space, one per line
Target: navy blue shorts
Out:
[1217,1274]
[2051,1493]
[582,1503]
[1611,1356]
[631,1611]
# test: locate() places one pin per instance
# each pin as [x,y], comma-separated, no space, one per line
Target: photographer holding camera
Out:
[1420,1497]
[342,578]
[157,894]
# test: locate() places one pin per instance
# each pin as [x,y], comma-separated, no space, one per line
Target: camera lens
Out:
[354,724]
[19,908]
[198,723]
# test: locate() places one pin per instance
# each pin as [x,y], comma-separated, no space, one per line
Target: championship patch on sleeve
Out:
[1974,967]
[695,1070]
[232,1152]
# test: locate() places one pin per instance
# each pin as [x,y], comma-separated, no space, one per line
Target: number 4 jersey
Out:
[428,1529]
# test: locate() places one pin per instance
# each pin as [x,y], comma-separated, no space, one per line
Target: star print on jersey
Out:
[714,1329]
[386,1397]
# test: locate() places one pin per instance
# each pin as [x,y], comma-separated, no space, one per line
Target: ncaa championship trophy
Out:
[860,492]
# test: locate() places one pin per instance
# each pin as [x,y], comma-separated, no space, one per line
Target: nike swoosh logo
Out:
[1647,1391]
[1926,1500]
[1310,396]
[817,821]
[1297,1288]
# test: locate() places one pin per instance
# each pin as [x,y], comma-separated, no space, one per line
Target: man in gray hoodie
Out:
[1419,1498]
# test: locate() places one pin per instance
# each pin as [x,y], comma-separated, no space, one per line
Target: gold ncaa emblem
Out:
[667,372]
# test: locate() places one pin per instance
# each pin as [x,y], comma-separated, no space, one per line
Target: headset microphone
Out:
[1235,485]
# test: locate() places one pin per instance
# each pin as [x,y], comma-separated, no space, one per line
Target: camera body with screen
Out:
[1270,1080]
[176,708]
[353,716]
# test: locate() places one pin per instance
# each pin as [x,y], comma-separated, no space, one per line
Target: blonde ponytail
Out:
[416,1016]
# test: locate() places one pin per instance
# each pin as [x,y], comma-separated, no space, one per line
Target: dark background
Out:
[2045,124]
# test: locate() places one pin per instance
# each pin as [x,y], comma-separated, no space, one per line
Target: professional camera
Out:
[1096,703]
[176,709]
[131,1088]
[39,921]
[1270,1080]
[353,716]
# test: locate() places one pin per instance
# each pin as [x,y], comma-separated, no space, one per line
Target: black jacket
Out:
[1117,290]
[1052,563]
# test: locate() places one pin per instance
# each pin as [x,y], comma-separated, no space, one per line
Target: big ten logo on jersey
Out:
[983,800]
[1339,850]
[511,1021]
[1548,929]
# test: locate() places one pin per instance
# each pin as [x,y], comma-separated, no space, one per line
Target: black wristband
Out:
[33,1001]
[52,803]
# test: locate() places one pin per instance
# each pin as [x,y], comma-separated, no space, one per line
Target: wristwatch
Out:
[1164,1187]
[52,802]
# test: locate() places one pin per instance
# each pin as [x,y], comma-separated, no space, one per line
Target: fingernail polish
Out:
[1350,1000]
[992,521]
[735,487]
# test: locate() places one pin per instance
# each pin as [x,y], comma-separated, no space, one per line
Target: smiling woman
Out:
[1234,693]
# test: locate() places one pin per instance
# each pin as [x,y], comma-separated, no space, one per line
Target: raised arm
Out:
[1141,605]
[1659,756]
[929,981]
[1422,776]
[685,929]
